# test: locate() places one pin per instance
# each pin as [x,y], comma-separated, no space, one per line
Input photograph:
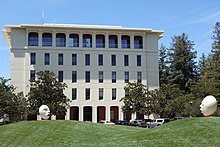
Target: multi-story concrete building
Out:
[94,61]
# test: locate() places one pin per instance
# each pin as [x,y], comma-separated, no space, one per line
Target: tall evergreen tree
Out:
[209,83]
[182,64]
[163,68]
[201,64]
[216,44]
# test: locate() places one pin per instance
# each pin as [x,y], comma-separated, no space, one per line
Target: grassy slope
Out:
[186,132]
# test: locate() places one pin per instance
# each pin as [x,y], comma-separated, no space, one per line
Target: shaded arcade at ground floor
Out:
[95,114]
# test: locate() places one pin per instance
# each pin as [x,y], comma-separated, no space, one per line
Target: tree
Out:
[48,91]
[163,68]
[182,64]
[216,44]
[158,101]
[209,83]
[171,101]
[202,63]
[14,105]
[136,99]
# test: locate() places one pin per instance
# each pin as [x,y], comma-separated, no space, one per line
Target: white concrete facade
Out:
[17,37]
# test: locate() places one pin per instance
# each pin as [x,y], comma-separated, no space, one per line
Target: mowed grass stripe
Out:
[185,132]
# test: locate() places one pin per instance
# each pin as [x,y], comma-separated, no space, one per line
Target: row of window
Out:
[87,59]
[88,93]
[73,40]
[88,76]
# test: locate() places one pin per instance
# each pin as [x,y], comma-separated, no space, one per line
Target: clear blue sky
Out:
[193,17]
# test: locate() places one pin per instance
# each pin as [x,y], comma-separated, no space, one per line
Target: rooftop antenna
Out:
[42,15]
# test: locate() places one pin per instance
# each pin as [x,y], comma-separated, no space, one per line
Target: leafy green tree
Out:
[182,64]
[48,91]
[136,99]
[11,104]
[158,101]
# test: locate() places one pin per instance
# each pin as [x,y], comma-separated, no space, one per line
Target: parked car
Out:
[158,122]
[107,122]
[122,122]
[138,123]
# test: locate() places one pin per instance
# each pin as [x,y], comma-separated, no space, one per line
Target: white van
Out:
[158,122]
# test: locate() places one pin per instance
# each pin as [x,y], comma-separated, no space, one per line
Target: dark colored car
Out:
[138,123]
[122,122]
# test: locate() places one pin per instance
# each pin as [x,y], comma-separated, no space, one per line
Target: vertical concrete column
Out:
[94,114]
[119,41]
[144,40]
[67,116]
[54,38]
[81,40]
[132,41]
[67,38]
[106,40]
[80,113]
[27,32]
[107,113]
[121,115]
[93,40]
[133,116]
[40,38]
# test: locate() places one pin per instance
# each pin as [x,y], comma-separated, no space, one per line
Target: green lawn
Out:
[187,132]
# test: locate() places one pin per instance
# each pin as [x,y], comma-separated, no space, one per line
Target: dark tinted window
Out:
[60,59]
[60,40]
[47,39]
[73,40]
[74,59]
[87,93]
[47,59]
[60,76]
[74,93]
[113,41]
[87,76]
[100,60]
[87,59]
[113,60]
[138,42]
[87,40]
[33,39]
[138,60]
[126,60]
[100,41]
[33,58]
[74,76]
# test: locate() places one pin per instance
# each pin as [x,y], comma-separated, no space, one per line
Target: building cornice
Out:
[83,27]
